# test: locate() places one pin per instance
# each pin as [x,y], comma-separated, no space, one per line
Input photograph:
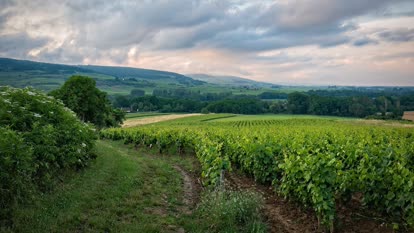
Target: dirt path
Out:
[189,197]
[149,120]
[281,216]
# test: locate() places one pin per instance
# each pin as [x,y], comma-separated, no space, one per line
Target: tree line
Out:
[354,106]
[295,103]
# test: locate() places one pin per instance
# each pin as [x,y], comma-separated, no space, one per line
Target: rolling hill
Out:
[230,81]
[114,80]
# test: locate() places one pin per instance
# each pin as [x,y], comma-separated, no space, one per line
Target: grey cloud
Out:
[61,54]
[400,35]
[18,45]
[100,28]
[319,22]
[318,14]
[409,55]
[3,19]
[5,12]
[132,22]
[6,3]
[364,41]
[158,13]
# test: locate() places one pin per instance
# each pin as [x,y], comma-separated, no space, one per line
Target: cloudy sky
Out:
[341,42]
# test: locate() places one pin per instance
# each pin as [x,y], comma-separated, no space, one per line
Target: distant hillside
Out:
[114,80]
[128,72]
[13,65]
[229,80]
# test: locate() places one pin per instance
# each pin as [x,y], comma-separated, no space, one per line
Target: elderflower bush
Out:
[39,137]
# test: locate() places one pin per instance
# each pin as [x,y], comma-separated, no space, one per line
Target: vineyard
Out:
[319,163]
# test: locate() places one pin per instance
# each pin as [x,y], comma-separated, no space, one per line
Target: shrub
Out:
[39,137]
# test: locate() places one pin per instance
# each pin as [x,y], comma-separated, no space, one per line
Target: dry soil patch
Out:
[149,120]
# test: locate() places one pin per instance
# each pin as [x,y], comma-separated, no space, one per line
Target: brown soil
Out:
[383,123]
[283,216]
[190,193]
[408,115]
[149,120]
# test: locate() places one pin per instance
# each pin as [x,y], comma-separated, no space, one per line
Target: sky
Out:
[297,42]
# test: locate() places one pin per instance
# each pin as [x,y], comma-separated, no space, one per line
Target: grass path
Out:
[122,191]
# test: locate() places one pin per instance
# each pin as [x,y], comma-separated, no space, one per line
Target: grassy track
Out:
[123,191]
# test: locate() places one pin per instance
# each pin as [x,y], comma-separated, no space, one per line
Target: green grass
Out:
[129,190]
[123,191]
[230,211]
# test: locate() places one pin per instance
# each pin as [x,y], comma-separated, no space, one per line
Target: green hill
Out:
[114,80]
[230,81]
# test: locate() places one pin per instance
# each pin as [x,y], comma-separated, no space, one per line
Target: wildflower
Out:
[83,144]
[37,115]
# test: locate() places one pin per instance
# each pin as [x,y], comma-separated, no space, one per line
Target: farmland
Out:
[207,116]
[322,163]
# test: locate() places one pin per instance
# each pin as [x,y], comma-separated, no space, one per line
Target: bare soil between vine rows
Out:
[283,216]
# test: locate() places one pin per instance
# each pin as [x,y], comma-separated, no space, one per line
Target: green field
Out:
[240,117]
[315,161]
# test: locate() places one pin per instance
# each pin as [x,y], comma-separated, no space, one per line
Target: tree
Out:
[122,101]
[80,94]
[298,103]
[137,93]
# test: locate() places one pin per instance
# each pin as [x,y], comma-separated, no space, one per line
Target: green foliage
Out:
[317,162]
[16,171]
[39,138]
[242,106]
[229,211]
[298,103]
[137,93]
[80,94]
[312,180]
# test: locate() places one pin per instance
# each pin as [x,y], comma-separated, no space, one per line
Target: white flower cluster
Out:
[31,93]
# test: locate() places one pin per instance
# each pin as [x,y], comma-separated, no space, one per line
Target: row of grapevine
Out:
[316,162]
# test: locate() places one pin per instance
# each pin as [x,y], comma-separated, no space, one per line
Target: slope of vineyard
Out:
[317,162]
